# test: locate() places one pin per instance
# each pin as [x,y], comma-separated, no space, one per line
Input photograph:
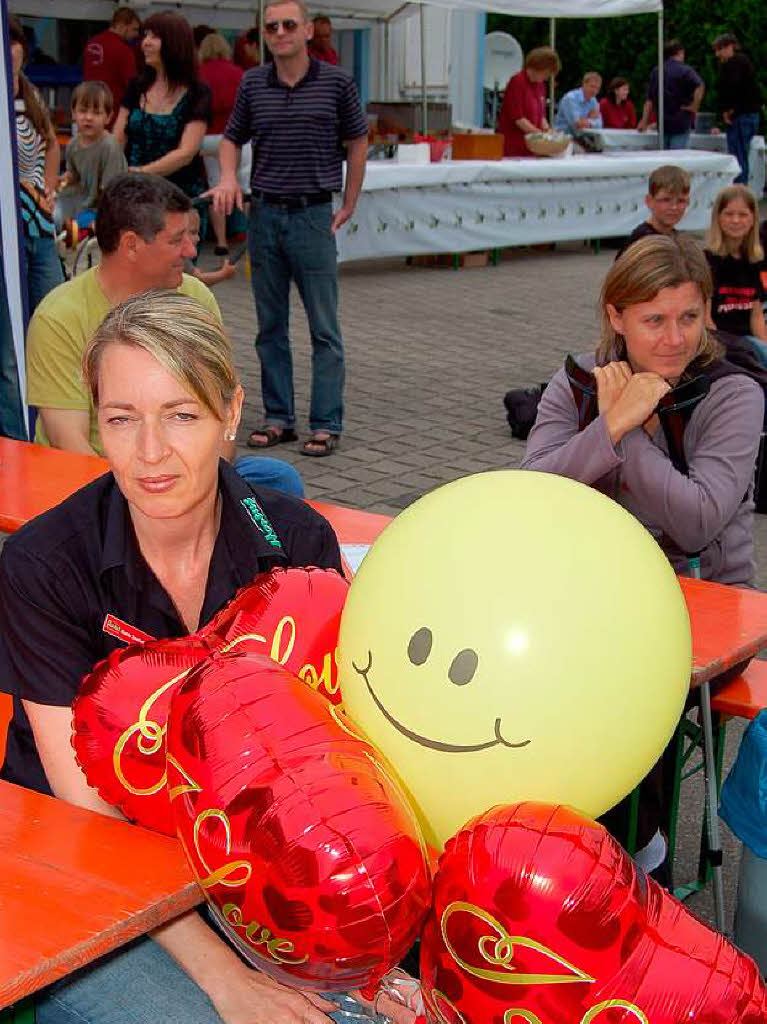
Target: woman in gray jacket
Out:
[658,419]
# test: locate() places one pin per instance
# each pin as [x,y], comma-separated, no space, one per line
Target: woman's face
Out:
[735,221]
[622,93]
[663,335]
[17,57]
[151,47]
[162,444]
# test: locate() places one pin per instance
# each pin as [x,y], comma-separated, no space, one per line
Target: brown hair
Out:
[35,108]
[93,96]
[544,58]
[125,16]
[671,178]
[177,50]
[615,84]
[645,269]
[751,248]
[184,337]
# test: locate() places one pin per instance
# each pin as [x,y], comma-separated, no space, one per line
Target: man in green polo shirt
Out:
[142,230]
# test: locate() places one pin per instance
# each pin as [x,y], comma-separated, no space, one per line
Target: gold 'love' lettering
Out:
[151,736]
[497,950]
[233,874]
[282,644]
[257,935]
[591,1015]
[439,1000]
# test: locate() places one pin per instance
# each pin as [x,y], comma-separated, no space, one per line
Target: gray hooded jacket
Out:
[708,511]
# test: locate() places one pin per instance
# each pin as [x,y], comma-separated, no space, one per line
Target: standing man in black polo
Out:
[299,113]
[683,91]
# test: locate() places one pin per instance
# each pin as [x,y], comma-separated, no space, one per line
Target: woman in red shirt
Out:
[617,109]
[524,102]
[223,77]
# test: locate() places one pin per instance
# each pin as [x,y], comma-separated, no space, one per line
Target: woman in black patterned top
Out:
[38,160]
[165,111]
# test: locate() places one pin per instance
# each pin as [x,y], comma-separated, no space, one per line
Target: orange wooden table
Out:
[75,885]
[728,624]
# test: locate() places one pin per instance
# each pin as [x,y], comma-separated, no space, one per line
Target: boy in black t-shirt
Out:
[667,199]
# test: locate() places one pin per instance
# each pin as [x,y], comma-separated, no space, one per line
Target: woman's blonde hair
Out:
[646,268]
[214,47]
[183,336]
[751,247]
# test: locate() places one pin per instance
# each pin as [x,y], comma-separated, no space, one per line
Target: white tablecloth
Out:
[412,209]
[456,207]
[628,139]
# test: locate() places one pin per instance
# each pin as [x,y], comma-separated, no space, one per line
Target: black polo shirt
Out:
[297,131]
[63,573]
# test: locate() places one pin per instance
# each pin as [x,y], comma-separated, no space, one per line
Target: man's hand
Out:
[727,116]
[582,122]
[225,196]
[342,214]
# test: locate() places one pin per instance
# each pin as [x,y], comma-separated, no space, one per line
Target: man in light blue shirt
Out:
[578,109]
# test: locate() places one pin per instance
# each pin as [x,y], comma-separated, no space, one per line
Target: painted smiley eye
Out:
[419,648]
[463,666]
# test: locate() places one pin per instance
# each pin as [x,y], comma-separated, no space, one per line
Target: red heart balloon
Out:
[120,713]
[118,726]
[307,850]
[540,917]
[291,615]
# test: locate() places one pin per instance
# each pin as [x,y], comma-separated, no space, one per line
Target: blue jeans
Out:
[43,269]
[297,245]
[141,984]
[676,140]
[260,471]
[739,135]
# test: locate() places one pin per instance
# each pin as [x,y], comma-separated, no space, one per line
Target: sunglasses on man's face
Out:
[288,25]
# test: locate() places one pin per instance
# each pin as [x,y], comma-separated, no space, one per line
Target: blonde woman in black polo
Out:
[160,542]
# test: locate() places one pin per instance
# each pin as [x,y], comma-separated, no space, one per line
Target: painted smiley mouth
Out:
[425,741]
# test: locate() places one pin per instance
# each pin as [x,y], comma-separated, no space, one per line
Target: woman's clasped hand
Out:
[628,400]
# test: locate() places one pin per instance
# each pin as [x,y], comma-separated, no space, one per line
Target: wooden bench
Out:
[745,696]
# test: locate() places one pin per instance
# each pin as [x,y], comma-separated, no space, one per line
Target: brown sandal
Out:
[272,435]
[322,446]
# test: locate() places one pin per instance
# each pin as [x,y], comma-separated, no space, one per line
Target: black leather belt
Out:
[293,201]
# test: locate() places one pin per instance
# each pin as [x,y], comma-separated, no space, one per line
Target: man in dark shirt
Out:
[299,113]
[683,90]
[109,56]
[739,99]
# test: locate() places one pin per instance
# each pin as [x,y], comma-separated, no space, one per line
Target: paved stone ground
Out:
[431,352]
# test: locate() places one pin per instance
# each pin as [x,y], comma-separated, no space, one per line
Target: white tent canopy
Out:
[239,13]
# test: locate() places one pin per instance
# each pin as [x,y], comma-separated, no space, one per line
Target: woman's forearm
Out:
[168,164]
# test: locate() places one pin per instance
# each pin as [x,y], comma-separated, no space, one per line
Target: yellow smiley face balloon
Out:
[515,636]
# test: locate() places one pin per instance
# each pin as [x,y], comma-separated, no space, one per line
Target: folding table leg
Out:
[712,803]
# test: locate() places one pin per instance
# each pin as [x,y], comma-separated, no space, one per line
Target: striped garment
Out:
[297,132]
[31,153]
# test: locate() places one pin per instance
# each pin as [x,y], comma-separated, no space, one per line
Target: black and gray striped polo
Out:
[297,131]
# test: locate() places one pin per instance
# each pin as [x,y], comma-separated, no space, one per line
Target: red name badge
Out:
[124,631]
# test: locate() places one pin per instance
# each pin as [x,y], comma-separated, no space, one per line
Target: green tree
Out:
[628,46]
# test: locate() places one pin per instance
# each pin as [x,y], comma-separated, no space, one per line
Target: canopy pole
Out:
[552,80]
[261,8]
[424,100]
[386,61]
[661,77]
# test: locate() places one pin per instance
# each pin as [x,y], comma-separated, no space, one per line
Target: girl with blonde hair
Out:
[736,258]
